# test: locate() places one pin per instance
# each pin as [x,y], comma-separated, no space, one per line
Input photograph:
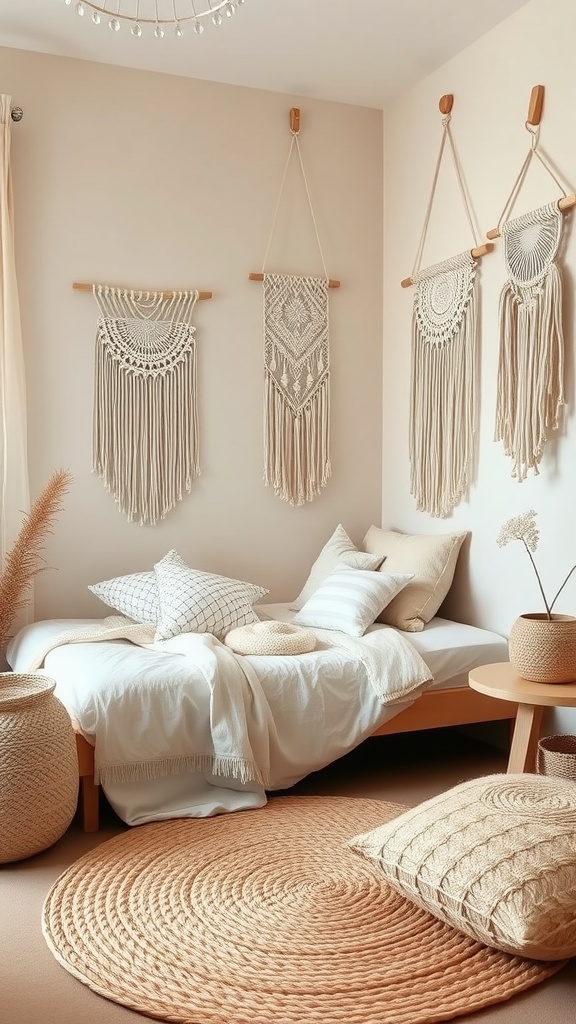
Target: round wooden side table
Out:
[501,680]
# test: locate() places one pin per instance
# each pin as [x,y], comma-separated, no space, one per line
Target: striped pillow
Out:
[350,600]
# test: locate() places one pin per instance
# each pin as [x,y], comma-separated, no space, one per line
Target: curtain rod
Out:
[17,113]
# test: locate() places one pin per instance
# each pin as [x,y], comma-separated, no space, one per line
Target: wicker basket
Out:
[38,765]
[557,756]
[544,650]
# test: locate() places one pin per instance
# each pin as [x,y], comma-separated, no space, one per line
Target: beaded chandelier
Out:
[157,14]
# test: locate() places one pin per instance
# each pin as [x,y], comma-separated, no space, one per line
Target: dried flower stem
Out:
[23,561]
[548,609]
[562,587]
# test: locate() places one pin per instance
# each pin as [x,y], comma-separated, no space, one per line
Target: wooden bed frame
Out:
[434,709]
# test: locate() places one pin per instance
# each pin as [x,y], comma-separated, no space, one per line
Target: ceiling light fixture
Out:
[158,14]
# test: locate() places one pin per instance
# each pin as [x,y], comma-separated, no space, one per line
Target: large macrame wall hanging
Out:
[145,426]
[443,400]
[296,370]
[530,390]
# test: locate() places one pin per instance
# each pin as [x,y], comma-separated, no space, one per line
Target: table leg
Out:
[525,738]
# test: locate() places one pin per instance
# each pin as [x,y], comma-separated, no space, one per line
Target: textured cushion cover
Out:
[339,549]
[135,595]
[494,857]
[350,599]
[192,601]
[432,560]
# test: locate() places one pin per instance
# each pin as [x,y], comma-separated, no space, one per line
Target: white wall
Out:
[491,83]
[148,180]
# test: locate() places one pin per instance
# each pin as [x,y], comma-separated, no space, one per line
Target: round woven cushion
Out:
[270,637]
[267,917]
[38,766]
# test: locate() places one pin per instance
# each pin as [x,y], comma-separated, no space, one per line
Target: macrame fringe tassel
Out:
[296,447]
[443,414]
[222,766]
[145,435]
[530,370]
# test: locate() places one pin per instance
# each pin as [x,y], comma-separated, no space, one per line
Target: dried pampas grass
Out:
[24,560]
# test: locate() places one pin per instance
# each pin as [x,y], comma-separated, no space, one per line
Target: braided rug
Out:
[267,917]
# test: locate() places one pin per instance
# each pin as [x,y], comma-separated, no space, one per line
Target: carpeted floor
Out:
[34,989]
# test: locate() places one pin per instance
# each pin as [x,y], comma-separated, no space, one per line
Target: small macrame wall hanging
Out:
[530,391]
[443,400]
[145,422]
[296,369]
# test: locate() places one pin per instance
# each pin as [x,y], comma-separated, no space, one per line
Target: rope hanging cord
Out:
[444,367]
[145,427]
[296,374]
[530,392]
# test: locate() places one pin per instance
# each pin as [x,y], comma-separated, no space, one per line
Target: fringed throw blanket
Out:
[297,379]
[145,445]
[531,360]
[443,395]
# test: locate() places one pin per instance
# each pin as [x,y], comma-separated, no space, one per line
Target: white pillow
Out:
[201,602]
[135,595]
[339,550]
[350,599]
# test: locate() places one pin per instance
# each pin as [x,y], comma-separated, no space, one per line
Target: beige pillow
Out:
[494,858]
[431,558]
[339,549]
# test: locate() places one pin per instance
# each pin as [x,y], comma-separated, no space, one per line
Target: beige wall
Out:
[140,179]
[491,82]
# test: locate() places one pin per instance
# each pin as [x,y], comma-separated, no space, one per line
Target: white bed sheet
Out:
[450,649]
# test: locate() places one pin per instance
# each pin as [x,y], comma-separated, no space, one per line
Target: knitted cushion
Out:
[270,637]
[350,599]
[201,602]
[432,560]
[339,549]
[494,857]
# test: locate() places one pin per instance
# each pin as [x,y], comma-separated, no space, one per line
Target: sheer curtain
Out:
[14,484]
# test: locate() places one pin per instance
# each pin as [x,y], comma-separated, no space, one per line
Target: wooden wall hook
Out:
[295,120]
[535,107]
[446,103]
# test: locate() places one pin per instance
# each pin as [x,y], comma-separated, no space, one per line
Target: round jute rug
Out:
[266,917]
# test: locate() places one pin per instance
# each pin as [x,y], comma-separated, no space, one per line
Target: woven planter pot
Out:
[38,766]
[544,650]
[557,756]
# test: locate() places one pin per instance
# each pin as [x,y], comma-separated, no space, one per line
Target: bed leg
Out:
[89,803]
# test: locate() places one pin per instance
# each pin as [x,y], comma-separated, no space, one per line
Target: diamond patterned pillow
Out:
[135,595]
[192,601]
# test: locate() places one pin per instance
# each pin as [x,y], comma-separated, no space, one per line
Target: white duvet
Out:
[185,727]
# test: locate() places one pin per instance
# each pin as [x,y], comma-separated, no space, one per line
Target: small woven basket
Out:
[557,756]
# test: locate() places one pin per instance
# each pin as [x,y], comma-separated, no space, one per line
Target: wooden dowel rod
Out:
[564,204]
[475,253]
[260,277]
[83,286]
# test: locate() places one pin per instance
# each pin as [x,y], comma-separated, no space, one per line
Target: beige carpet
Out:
[267,916]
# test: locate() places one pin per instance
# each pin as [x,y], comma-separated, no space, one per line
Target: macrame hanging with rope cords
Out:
[145,437]
[296,370]
[443,403]
[530,391]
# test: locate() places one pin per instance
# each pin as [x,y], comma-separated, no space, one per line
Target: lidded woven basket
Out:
[544,650]
[38,765]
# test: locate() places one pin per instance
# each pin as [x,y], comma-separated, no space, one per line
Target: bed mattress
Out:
[450,649]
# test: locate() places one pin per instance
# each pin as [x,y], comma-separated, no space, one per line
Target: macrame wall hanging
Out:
[145,425]
[296,369]
[443,403]
[530,391]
